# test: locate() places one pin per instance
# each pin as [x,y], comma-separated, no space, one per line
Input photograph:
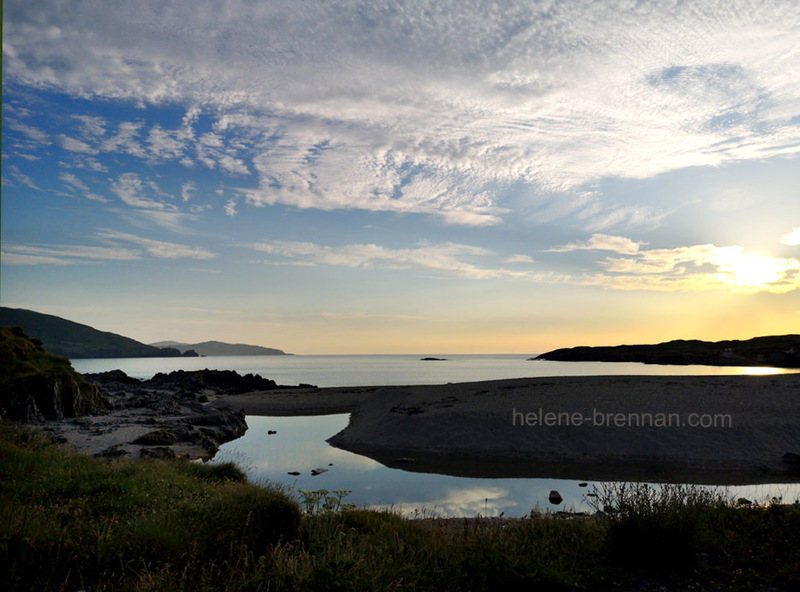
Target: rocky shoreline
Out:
[167,416]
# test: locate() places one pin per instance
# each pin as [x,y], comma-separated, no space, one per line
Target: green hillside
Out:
[73,340]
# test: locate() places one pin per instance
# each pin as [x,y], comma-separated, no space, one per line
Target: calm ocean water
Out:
[299,444]
[325,371]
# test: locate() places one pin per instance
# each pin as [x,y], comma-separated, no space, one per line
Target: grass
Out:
[72,522]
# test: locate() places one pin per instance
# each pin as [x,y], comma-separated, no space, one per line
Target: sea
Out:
[274,447]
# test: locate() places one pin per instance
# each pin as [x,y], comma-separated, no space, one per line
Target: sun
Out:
[755,272]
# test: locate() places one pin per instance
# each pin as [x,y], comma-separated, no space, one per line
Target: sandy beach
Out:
[710,429]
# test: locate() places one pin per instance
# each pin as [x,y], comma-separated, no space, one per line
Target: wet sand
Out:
[709,429]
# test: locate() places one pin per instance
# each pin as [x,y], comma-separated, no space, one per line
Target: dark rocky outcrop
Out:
[36,385]
[226,382]
[782,351]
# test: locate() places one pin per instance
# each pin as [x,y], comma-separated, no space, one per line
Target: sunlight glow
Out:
[753,271]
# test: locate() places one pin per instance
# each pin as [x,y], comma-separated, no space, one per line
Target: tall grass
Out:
[71,522]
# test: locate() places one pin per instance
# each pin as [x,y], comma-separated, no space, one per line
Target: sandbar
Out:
[704,429]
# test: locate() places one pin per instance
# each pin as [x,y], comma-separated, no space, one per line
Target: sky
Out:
[377,177]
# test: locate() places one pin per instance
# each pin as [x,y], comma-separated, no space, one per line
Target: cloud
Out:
[448,258]
[403,109]
[699,268]
[602,242]
[519,259]
[792,239]
[75,145]
[21,177]
[33,133]
[187,189]
[73,254]
[160,249]
[92,126]
[75,184]
[73,181]
[64,254]
[230,207]
[125,140]
[131,190]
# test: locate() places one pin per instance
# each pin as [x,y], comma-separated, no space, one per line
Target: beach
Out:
[707,429]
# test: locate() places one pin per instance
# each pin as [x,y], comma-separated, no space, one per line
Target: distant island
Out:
[74,340]
[781,351]
[218,348]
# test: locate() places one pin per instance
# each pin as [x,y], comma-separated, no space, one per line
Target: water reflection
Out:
[298,446]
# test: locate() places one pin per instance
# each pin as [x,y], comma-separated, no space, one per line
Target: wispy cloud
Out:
[160,249]
[520,259]
[692,268]
[64,254]
[602,242]
[792,239]
[21,177]
[187,189]
[74,183]
[131,190]
[33,133]
[75,145]
[18,254]
[448,259]
[436,112]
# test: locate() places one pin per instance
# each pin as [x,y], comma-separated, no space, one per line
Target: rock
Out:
[157,452]
[295,473]
[271,432]
[582,484]
[433,359]
[555,497]
[318,471]
[117,377]
[220,381]
[162,437]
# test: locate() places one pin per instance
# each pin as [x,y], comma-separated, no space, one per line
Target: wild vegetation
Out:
[36,384]
[73,522]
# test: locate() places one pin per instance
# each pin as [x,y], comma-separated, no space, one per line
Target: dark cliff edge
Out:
[780,351]
[36,385]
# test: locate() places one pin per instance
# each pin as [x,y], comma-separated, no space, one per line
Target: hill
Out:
[218,348]
[782,351]
[74,340]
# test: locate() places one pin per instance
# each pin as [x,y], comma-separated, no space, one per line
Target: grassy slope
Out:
[28,372]
[71,522]
[66,338]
